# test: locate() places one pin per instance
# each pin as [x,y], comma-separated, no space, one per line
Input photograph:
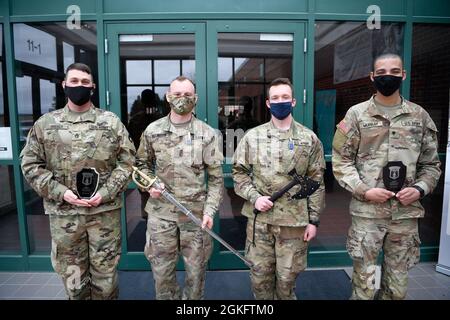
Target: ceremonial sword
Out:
[145,182]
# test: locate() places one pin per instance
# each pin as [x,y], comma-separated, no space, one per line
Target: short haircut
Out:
[80,67]
[280,81]
[182,79]
[386,56]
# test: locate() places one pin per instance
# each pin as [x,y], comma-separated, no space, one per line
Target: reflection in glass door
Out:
[247,63]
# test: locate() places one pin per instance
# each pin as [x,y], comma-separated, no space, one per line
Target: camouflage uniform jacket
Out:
[261,163]
[188,161]
[61,143]
[364,143]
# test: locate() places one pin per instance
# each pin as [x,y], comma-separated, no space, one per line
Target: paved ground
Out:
[424,284]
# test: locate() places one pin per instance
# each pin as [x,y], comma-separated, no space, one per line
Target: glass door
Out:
[243,58]
[142,60]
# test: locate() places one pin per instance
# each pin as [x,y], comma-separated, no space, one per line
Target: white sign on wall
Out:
[444,246]
[5,143]
[34,46]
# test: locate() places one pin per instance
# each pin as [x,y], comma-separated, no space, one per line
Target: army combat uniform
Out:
[182,156]
[261,164]
[364,142]
[86,242]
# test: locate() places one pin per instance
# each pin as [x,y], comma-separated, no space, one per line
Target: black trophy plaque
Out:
[87,183]
[394,175]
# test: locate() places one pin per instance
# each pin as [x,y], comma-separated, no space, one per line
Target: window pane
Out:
[153,61]
[344,52]
[225,66]
[188,67]
[38,221]
[4,110]
[134,97]
[166,71]
[430,74]
[249,69]
[139,72]
[9,226]
[2,105]
[69,55]
[278,68]
[48,96]
[25,106]
[161,92]
[136,225]
[430,88]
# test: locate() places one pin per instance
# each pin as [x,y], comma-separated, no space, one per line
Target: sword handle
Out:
[140,178]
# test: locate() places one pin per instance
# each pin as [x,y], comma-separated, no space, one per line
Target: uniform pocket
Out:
[288,233]
[300,258]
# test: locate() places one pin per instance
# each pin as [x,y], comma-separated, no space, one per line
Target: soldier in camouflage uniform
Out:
[86,241]
[385,128]
[181,150]
[261,163]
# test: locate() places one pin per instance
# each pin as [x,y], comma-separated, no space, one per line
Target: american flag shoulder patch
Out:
[343,127]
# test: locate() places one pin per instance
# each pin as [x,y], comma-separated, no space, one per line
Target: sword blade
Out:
[198,222]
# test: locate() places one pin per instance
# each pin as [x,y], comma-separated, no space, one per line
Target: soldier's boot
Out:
[363,281]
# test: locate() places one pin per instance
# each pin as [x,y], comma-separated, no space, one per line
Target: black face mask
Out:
[78,95]
[387,85]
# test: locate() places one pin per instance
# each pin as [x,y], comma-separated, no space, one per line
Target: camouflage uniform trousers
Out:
[85,252]
[400,242]
[279,255]
[165,240]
